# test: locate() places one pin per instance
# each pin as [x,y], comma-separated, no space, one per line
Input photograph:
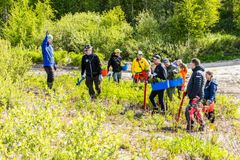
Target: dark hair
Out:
[209,73]
[196,61]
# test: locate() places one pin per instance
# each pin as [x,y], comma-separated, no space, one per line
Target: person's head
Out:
[139,54]
[166,62]
[50,39]
[195,62]
[156,59]
[179,62]
[117,52]
[88,49]
[209,75]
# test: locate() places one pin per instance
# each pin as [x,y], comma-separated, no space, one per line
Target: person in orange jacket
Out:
[140,68]
[183,73]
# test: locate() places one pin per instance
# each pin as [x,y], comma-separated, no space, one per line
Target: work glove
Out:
[100,77]
[84,76]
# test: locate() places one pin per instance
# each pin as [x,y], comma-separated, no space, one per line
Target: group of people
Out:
[197,90]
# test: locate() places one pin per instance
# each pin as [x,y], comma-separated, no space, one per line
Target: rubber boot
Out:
[50,85]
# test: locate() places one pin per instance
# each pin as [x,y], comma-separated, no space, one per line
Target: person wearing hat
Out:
[159,72]
[91,69]
[48,59]
[115,63]
[140,68]
[171,72]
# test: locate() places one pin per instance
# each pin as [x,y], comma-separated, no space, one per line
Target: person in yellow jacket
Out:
[140,68]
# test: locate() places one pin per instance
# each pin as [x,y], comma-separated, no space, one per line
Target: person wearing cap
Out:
[171,72]
[115,63]
[140,68]
[91,69]
[48,59]
[159,72]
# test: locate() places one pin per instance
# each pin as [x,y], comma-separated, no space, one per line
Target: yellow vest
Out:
[140,65]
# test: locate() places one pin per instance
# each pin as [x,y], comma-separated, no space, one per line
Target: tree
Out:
[26,23]
[104,31]
[236,11]
[193,18]
[5,6]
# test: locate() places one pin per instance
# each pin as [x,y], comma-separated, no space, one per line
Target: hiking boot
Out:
[99,92]
[50,85]
[93,97]
[155,110]
[189,128]
[201,128]
[162,113]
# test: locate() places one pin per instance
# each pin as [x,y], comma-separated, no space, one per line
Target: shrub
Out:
[26,23]
[14,64]
[105,32]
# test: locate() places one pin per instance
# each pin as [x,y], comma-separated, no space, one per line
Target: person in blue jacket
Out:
[210,90]
[48,59]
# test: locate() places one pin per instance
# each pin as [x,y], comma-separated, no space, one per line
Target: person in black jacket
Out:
[115,63]
[91,69]
[159,72]
[195,89]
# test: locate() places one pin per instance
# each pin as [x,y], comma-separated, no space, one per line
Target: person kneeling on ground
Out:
[115,62]
[210,96]
[195,89]
[159,72]
[48,59]
[140,68]
[91,69]
[171,72]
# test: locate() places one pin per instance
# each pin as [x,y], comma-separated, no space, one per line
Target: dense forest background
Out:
[208,29]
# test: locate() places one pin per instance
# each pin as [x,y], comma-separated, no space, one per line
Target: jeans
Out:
[160,97]
[89,83]
[117,76]
[50,76]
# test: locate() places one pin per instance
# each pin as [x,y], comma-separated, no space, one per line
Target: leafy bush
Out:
[105,32]
[14,64]
[26,23]
[194,147]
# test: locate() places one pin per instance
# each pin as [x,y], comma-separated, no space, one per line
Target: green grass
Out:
[66,124]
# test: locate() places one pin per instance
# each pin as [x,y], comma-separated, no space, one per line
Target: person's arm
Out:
[161,73]
[109,64]
[45,41]
[146,64]
[164,73]
[133,67]
[212,92]
[83,66]
[99,66]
